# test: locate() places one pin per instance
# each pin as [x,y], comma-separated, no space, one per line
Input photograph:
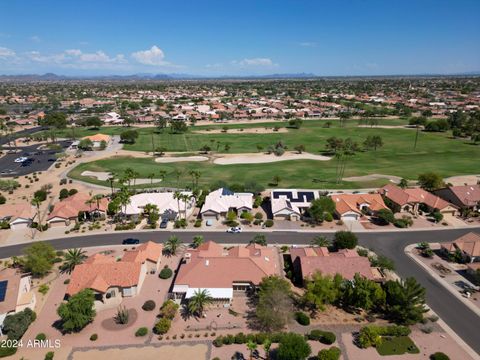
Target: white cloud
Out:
[308,44]
[6,52]
[153,56]
[35,38]
[255,62]
[73,52]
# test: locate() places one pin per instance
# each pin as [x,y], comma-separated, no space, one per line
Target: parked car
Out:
[234,230]
[130,241]
[20,159]
[163,224]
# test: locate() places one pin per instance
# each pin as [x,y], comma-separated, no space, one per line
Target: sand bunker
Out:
[198,351]
[103,176]
[394,179]
[260,158]
[173,159]
[242,131]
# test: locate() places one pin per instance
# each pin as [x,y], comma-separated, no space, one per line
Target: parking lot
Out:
[41,160]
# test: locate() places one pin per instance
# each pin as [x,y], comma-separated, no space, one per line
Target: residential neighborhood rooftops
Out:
[70,207]
[222,200]
[15,211]
[354,202]
[468,243]
[164,201]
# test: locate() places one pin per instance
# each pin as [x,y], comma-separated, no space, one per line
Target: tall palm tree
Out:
[124,199]
[251,346]
[135,176]
[162,174]
[200,299]
[128,175]
[151,176]
[178,174]
[111,179]
[73,257]
[177,195]
[197,241]
[149,208]
[36,202]
[185,198]
[172,245]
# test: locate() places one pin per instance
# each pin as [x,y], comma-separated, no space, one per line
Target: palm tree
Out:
[135,176]
[251,346]
[195,176]
[172,245]
[36,202]
[111,179]
[197,241]
[149,208]
[177,195]
[185,198]
[321,241]
[73,257]
[162,174]
[178,174]
[129,173]
[124,198]
[200,299]
[151,176]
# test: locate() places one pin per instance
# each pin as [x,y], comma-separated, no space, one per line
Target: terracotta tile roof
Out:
[15,211]
[212,266]
[98,137]
[147,251]
[11,294]
[70,207]
[99,274]
[469,195]
[427,198]
[397,195]
[468,243]
[345,262]
[352,202]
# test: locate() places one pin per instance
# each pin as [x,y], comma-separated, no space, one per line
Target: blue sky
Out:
[354,37]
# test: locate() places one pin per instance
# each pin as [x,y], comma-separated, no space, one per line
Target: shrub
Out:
[49,355]
[63,194]
[259,216]
[332,353]
[3,199]
[198,223]
[240,338]
[40,195]
[149,305]
[41,337]
[302,318]
[269,223]
[325,337]
[7,351]
[162,326]
[165,273]
[328,217]
[169,309]
[439,356]
[218,342]
[93,337]
[345,240]
[228,339]
[16,324]
[141,332]
[370,335]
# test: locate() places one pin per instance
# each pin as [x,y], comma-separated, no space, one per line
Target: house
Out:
[149,253]
[468,244]
[112,118]
[464,197]
[18,216]
[290,204]
[97,139]
[165,202]
[353,206]
[112,279]
[309,260]
[413,199]
[224,272]
[219,202]
[68,209]
[15,293]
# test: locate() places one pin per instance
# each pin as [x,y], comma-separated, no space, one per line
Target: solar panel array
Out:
[3,289]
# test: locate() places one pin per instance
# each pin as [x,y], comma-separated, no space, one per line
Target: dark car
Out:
[130,241]
[163,224]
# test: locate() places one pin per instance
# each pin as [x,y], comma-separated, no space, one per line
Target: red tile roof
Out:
[70,207]
[150,251]
[468,243]
[351,202]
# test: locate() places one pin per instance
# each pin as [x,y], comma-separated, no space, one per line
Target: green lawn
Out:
[435,152]
[397,346]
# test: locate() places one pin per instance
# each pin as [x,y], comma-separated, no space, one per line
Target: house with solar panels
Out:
[290,204]
[219,202]
[16,293]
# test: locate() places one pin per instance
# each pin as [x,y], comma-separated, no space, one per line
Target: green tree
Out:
[373,142]
[385,216]
[259,239]
[200,299]
[275,305]
[85,144]
[251,346]
[129,136]
[403,183]
[321,206]
[15,325]
[293,347]
[39,258]
[172,245]
[345,240]
[363,293]
[73,257]
[321,241]
[430,181]
[93,122]
[197,241]
[78,311]
[321,290]
[405,301]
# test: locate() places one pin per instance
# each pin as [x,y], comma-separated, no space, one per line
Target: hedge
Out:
[162,326]
[439,356]
[332,353]
[141,332]
[371,334]
[325,337]
[302,318]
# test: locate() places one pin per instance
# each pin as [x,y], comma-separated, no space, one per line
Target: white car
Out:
[234,230]
[21,159]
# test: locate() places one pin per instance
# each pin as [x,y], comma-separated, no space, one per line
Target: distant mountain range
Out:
[139,77]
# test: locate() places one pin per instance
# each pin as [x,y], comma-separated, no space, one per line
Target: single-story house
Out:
[223,272]
[149,253]
[352,206]
[15,293]
[309,260]
[464,197]
[410,200]
[468,244]
[67,210]
[219,202]
[290,204]
[112,118]
[18,216]
[165,202]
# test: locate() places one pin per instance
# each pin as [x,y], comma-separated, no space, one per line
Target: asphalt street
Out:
[391,244]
